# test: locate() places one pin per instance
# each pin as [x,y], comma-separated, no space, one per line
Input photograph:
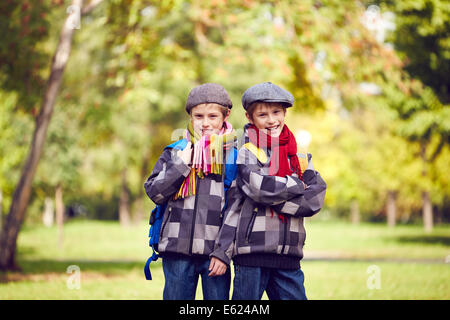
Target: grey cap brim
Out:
[267,92]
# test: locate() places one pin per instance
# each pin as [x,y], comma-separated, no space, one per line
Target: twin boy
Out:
[257,221]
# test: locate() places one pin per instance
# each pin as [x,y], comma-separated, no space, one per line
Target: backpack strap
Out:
[230,168]
[230,173]
[155,222]
[148,274]
[259,153]
[179,145]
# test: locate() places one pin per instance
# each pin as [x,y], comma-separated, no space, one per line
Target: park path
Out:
[337,257]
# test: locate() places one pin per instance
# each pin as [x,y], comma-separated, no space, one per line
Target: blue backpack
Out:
[157,214]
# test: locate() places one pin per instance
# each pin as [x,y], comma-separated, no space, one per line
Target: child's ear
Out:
[249,118]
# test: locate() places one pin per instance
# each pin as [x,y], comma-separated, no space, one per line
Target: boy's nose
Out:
[205,123]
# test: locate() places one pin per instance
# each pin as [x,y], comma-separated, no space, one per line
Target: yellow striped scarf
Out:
[208,156]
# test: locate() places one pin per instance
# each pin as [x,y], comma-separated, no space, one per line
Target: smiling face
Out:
[268,117]
[208,119]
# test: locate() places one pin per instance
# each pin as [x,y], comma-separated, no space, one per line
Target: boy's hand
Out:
[186,153]
[217,267]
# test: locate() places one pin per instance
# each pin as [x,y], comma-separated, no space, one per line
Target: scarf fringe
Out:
[208,157]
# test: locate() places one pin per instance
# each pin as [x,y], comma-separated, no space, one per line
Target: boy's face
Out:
[208,119]
[268,117]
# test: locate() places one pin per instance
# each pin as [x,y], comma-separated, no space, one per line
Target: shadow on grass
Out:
[50,270]
[42,266]
[424,239]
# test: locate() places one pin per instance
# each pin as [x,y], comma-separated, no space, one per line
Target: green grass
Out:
[377,241]
[337,257]
[348,280]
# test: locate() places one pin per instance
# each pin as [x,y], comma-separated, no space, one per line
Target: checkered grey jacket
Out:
[191,225]
[251,227]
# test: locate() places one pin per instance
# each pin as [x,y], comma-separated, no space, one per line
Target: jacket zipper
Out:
[167,220]
[250,225]
[284,235]
[193,218]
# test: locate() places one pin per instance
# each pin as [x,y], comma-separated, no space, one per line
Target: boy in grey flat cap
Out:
[190,177]
[263,230]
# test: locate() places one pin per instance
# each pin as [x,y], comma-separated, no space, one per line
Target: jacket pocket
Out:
[296,243]
[169,212]
[250,225]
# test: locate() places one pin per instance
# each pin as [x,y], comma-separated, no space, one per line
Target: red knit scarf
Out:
[284,148]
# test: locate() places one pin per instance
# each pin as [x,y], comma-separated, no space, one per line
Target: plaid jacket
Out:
[191,225]
[250,227]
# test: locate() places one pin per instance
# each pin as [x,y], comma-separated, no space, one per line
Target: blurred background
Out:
[371,86]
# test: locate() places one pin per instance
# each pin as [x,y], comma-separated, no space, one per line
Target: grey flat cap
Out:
[267,92]
[208,93]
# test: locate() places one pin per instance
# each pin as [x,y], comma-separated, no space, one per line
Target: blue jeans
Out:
[251,282]
[181,277]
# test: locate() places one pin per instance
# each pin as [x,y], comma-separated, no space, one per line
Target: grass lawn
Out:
[342,261]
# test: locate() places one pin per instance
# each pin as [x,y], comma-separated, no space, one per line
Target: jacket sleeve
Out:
[310,202]
[223,248]
[167,176]
[262,188]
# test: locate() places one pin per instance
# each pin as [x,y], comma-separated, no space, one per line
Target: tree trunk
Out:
[59,204]
[427,208]
[139,214]
[124,205]
[427,211]
[49,213]
[355,215]
[391,208]
[21,196]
